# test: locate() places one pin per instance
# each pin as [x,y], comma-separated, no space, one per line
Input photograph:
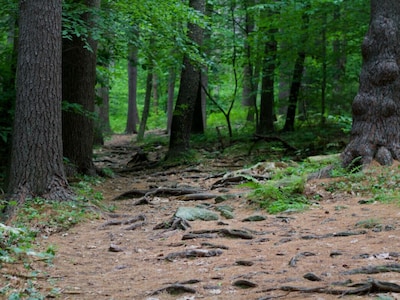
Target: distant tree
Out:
[182,118]
[133,114]
[37,160]
[78,82]
[297,74]
[376,107]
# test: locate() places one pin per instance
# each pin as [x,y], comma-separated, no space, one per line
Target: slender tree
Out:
[297,75]
[37,158]
[133,114]
[376,107]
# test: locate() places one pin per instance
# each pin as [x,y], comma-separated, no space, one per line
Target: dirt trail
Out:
[96,260]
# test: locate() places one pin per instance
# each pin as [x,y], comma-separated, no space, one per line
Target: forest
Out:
[212,148]
[266,67]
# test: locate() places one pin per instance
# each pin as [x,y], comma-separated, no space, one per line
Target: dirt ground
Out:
[302,255]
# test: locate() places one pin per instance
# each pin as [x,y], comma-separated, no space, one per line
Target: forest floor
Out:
[341,246]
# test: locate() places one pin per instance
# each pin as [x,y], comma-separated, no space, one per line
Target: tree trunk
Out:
[376,121]
[199,111]
[266,123]
[37,159]
[154,88]
[179,142]
[78,82]
[146,108]
[249,90]
[133,114]
[171,96]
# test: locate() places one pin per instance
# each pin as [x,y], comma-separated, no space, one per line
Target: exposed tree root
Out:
[163,191]
[362,288]
[135,219]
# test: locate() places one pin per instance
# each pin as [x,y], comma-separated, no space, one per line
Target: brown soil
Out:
[94,261]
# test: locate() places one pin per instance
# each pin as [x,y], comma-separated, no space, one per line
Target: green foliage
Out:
[280,195]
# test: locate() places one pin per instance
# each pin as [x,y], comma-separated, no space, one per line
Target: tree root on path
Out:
[164,191]
[362,288]
[174,224]
[135,219]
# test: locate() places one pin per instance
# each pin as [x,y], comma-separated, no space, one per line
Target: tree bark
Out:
[37,159]
[376,107]
[146,108]
[171,96]
[266,123]
[179,142]
[133,114]
[78,82]
[249,90]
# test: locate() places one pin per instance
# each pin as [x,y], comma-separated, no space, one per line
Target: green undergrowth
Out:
[284,192]
[39,218]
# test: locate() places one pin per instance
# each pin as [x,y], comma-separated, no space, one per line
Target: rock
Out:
[255,218]
[244,284]
[226,211]
[115,248]
[312,277]
[195,213]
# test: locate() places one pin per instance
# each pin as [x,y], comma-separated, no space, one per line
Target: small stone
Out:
[244,284]
[244,263]
[115,248]
[255,218]
[312,277]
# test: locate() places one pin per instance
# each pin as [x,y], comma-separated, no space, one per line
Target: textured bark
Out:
[249,90]
[37,159]
[266,123]
[185,104]
[78,82]
[146,108]
[171,96]
[376,107]
[198,120]
[297,75]
[133,114]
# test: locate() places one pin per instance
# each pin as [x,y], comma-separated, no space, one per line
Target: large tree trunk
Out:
[179,142]
[198,120]
[376,107]
[78,82]
[37,160]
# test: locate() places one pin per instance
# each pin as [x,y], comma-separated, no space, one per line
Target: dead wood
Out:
[161,191]
[193,253]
